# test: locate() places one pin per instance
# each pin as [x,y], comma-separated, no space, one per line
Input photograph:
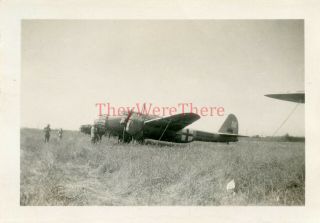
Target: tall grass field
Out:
[75,172]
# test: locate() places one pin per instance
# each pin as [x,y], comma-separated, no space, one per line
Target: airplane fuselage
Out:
[114,126]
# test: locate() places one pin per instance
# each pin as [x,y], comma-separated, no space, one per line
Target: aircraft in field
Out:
[294,97]
[137,126]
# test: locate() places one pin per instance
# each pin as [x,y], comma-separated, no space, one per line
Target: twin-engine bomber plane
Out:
[137,126]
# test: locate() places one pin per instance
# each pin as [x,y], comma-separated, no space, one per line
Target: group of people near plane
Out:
[95,136]
[47,132]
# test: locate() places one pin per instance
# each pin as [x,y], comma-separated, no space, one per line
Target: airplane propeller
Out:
[132,126]
[125,123]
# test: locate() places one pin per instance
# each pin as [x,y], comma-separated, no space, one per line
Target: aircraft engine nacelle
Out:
[134,127]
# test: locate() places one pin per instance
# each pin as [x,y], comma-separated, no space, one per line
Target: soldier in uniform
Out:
[47,133]
[93,134]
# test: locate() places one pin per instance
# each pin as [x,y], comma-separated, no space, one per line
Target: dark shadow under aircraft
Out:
[137,126]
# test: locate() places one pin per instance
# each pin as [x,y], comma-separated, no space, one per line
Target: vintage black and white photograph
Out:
[162,112]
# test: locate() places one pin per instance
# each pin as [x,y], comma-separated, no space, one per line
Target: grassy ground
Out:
[75,172]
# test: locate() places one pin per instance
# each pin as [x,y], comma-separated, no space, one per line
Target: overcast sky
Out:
[70,65]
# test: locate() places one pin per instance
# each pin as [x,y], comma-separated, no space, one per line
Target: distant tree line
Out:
[283,138]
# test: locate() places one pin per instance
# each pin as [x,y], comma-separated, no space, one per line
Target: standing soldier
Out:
[93,134]
[47,133]
[60,133]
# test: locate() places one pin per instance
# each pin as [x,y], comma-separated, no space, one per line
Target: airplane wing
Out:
[174,122]
[294,97]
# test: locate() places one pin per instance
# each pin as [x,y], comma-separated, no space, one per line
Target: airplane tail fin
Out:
[230,125]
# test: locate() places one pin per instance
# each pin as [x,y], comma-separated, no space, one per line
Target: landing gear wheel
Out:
[126,138]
